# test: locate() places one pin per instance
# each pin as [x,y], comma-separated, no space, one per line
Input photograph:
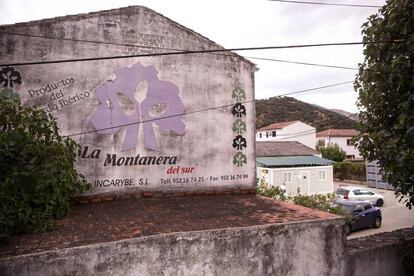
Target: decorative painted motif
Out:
[239,159]
[238,94]
[239,142]
[239,110]
[9,77]
[161,98]
[239,126]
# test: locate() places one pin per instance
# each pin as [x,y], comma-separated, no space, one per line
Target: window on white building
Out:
[274,133]
[260,135]
[322,175]
[321,142]
[287,177]
[349,142]
[267,134]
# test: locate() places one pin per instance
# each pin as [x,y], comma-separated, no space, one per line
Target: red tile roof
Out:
[337,132]
[277,125]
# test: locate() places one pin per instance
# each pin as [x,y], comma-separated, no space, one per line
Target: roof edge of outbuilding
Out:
[90,14]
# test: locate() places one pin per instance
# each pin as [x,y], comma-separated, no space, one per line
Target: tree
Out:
[385,85]
[37,174]
[333,152]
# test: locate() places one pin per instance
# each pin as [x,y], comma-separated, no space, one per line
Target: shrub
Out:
[37,174]
[270,191]
[333,152]
[317,201]
[350,171]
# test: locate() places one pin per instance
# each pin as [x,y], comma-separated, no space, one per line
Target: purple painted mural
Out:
[162,106]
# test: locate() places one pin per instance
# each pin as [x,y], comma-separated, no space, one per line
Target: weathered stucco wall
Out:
[118,104]
[305,248]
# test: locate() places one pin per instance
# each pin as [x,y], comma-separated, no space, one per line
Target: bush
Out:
[271,191]
[350,171]
[37,174]
[317,201]
[333,152]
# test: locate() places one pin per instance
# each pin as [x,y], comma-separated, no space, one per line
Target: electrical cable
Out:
[200,110]
[327,4]
[174,49]
[303,63]
[199,52]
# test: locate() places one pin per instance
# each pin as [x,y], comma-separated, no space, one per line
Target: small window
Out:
[260,135]
[322,175]
[349,142]
[287,177]
[274,133]
[341,191]
[321,142]
[357,192]
[267,134]
[366,192]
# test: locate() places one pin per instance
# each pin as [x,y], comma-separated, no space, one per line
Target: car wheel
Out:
[379,202]
[348,229]
[377,222]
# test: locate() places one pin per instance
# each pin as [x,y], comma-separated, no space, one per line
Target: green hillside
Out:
[281,109]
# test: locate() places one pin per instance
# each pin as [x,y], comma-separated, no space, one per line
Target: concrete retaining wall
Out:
[305,248]
[381,254]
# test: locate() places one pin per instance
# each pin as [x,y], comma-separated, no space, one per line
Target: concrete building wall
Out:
[306,179]
[114,107]
[301,132]
[382,254]
[305,248]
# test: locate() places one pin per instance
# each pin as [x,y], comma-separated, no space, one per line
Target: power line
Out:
[303,63]
[174,49]
[198,111]
[316,88]
[201,52]
[327,4]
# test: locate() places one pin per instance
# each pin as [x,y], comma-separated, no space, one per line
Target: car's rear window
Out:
[341,191]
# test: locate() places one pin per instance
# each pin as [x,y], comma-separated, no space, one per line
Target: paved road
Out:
[394,214]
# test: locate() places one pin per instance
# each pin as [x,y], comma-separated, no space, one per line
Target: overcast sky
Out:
[252,23]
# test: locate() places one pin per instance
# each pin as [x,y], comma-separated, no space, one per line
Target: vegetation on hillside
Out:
[282,109]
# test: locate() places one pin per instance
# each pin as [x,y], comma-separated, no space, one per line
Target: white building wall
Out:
[342,143]
[300,132]
[306,179]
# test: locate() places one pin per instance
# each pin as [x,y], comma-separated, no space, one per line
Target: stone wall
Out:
[304,248]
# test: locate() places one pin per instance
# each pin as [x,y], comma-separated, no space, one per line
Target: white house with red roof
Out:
[288,131]
[342,137]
